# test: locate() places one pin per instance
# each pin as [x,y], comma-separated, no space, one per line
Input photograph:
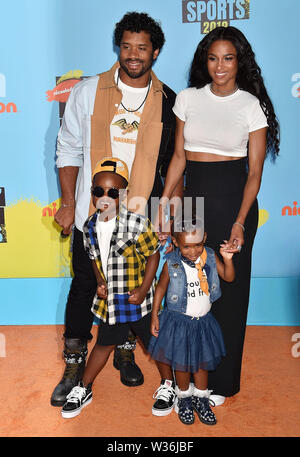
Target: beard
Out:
[133,74]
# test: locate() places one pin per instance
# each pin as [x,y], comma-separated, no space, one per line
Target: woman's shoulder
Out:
[247,98]
[187,96]
[190,91]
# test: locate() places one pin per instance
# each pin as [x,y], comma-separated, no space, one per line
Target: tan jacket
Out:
[107,101]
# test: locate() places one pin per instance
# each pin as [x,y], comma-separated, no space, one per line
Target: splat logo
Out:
[62,90]
[5,107]
[3,238]
[214,13]
[293,210]
[296,86]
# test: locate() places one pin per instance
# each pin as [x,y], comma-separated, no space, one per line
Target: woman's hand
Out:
[161,227]
[236,240]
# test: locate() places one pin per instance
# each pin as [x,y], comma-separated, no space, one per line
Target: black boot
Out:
[75,353]
[130,373]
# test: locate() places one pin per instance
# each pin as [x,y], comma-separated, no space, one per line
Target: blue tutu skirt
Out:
[186,343]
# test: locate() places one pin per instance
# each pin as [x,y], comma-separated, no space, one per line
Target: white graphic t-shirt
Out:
[198,303]
[125,125]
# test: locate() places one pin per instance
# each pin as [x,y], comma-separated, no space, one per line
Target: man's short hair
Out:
[138,22]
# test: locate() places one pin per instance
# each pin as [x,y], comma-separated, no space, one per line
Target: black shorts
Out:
[117,334]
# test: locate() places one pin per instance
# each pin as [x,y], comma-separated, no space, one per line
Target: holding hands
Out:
[102,289]
[226,250]
[236,241]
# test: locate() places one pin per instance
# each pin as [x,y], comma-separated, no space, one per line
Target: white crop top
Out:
[218,125]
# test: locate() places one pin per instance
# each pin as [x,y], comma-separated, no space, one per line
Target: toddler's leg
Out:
[201,402]
[165,370]
[184,391]
[183,379]
[200,379]
[96,362]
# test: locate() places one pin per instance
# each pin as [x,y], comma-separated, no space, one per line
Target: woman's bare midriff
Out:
[207,157]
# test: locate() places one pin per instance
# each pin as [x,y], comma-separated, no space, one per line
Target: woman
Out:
[226,126]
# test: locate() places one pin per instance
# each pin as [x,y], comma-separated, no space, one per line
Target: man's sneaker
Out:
[202,407]
[78,398]
[217,400]
[165,397]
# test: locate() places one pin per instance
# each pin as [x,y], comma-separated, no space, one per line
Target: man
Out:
[125,112]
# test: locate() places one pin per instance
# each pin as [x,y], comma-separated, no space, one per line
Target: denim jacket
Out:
[176,297]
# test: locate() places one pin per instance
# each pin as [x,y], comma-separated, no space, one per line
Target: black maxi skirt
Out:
[222,185]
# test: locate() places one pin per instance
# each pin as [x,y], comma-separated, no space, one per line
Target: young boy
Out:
[124,253]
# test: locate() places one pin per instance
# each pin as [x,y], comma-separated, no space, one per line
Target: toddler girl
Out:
[186,337]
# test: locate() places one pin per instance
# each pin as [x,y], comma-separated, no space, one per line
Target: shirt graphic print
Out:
[125,124]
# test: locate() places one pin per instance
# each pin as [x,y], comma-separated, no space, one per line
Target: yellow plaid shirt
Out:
[132,242]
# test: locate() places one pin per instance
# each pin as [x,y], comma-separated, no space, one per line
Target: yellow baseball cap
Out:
[112,164]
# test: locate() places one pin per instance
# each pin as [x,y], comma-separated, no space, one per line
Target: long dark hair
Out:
[248,77]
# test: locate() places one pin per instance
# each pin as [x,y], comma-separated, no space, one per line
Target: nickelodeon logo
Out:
[291,211]
[5,107]
[62,90]
[48,211]
[64,85]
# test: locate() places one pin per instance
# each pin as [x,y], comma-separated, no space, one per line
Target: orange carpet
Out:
[31,365]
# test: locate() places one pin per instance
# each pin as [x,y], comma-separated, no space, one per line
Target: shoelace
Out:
[185,402]
[207,401]
[164,393]
[76,394]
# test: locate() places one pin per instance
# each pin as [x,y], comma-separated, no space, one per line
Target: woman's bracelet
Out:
[241,225]
[63,205]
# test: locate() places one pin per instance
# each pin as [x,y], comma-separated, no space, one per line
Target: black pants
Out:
[222,184]
[78,317]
